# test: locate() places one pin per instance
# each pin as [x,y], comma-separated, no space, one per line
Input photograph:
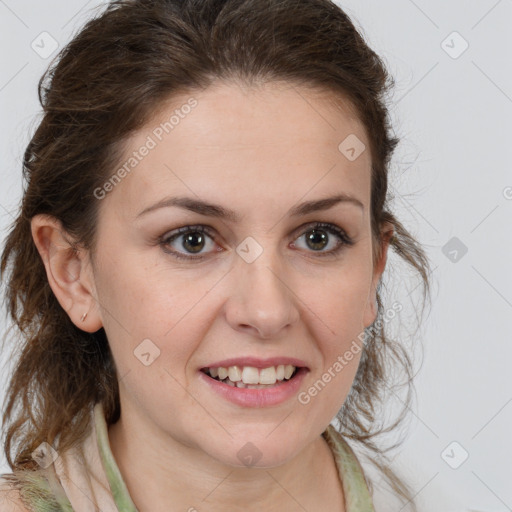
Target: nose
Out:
[261,302]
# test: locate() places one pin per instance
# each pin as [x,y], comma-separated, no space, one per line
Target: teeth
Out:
[267,376]
[251,377]
[288,370]
[234,374]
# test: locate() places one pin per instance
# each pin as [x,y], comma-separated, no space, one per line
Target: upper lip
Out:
[256,362]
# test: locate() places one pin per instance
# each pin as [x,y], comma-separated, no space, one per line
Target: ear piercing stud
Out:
[83,317]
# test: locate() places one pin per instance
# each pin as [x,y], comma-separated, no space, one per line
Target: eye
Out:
[317,238]
[191,239]
[188,242]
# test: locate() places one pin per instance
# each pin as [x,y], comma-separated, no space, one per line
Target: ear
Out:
[370,314]
[69,272]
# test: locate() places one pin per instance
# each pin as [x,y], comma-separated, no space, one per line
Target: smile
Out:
[255,387]
[250,377]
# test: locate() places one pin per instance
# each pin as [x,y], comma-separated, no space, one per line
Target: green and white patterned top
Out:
[87,478]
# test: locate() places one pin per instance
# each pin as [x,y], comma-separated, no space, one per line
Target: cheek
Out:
[334,314]
[154,309]
[144,293]
[339,296]
[338,328]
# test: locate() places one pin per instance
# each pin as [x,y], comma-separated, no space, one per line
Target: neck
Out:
[163,474]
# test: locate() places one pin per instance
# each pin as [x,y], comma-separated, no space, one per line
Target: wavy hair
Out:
[103,86]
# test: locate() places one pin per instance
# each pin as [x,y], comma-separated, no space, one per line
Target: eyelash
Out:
[165,240]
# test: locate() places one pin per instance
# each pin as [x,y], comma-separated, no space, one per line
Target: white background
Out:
[451,177]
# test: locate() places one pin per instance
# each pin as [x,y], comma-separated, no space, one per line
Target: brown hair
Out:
[106,83]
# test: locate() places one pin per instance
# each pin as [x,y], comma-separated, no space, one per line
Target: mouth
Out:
[250,377]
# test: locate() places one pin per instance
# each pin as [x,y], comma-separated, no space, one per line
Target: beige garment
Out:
[87,478]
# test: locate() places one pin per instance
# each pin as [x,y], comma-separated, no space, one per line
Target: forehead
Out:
[277,142]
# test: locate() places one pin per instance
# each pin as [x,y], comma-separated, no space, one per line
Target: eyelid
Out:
[344,239]
[168,237]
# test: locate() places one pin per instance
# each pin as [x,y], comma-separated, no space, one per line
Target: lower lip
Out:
[262,397]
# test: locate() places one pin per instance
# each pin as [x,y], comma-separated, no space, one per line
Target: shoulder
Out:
[10,500]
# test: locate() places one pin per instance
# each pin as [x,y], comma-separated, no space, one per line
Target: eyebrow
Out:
[214,210]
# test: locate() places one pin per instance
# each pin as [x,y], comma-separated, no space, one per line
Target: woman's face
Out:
[256,287]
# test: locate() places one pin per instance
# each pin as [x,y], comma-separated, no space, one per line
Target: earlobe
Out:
[67,271]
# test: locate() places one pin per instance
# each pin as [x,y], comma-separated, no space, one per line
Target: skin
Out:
[258,151]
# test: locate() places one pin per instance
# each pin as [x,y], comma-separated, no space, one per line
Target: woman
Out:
[196,267]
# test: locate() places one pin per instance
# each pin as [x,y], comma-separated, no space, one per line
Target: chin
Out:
[260,452]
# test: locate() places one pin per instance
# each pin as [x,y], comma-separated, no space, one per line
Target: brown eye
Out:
[193,242]
[317,239]
[188,242]
[324,235]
